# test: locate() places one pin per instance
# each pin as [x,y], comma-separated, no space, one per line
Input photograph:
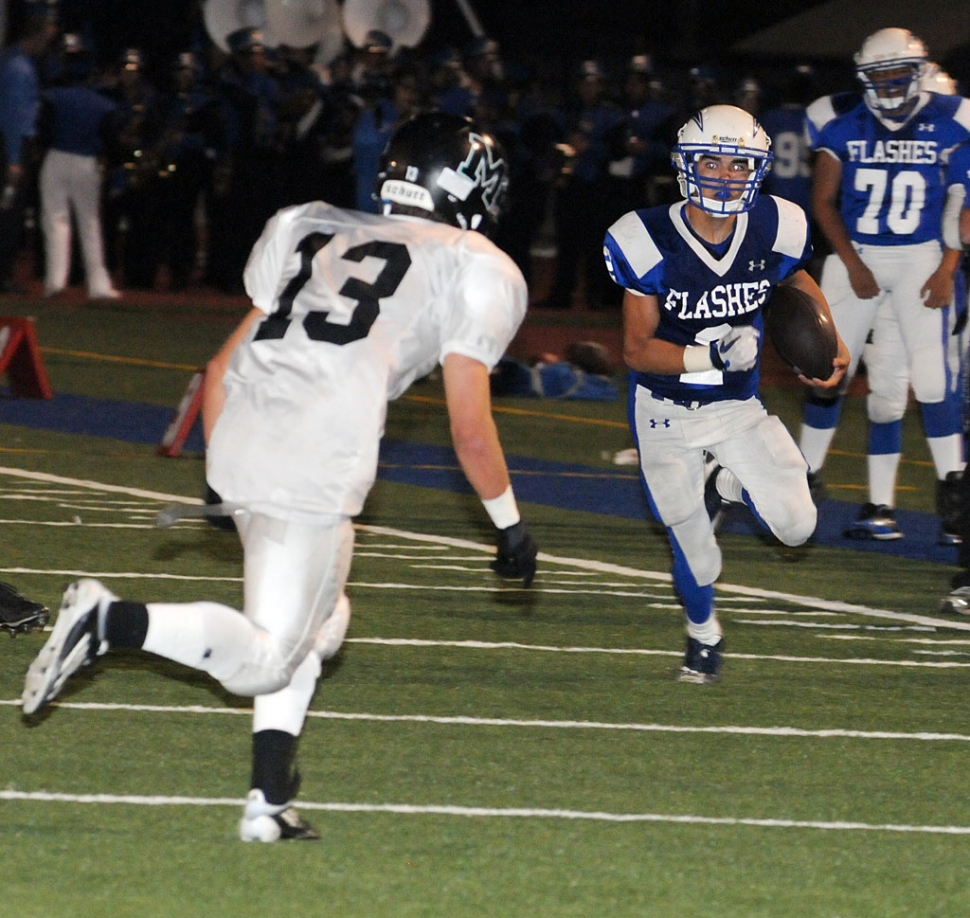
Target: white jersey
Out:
[358,306]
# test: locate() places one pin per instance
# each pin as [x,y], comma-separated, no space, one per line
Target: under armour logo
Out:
[756,265]
[926,127]
[655,422]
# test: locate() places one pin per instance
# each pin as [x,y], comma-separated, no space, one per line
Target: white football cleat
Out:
[957,603]
[74,642]
[270,822]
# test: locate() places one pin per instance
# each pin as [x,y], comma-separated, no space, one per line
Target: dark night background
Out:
[568,29]
[677,33]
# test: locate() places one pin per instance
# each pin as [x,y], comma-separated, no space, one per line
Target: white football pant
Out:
[923,348]
[744,438]
[294,615]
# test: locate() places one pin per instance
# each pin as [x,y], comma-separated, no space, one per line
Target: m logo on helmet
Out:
[479,170]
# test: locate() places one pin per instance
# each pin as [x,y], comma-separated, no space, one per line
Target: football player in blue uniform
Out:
[697,275]
[956,233]
[791,174]
[878,196]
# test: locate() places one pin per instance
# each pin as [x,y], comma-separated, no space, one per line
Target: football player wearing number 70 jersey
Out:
[348,310]
[878,196]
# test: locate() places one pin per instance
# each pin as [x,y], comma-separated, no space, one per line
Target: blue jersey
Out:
[823,110]
[19,101]
[790,176]
[77,114]
[701,293]
[957,178]
[892,190]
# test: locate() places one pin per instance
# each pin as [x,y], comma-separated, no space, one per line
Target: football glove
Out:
[737,350]
[515,556]
[19,615]
[223,522]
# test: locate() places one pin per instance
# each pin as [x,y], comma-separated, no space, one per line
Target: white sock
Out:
[814,443]
[707,633]
[947,453]
[882,478]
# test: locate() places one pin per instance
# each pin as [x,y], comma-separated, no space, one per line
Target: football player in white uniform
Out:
[878,195]
[348,310]
[697,275]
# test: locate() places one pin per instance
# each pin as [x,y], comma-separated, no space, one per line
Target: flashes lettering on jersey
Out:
[917,152]
[720,302]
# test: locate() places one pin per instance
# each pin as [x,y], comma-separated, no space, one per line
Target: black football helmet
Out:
[443,165]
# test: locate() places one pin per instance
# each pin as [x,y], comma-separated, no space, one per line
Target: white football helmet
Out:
[936,80]
[889,65]
[721,130]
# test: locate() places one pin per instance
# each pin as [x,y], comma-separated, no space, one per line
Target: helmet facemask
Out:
[718,131]
[891,89]
[889,66]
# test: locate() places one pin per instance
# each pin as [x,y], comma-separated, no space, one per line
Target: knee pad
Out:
[886,407]
[250,682]
[783,501]
[263,672]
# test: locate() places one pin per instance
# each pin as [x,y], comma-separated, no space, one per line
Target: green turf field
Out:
[477,749]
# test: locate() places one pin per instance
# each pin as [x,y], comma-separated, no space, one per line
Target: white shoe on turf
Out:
[73,643]
[957,603]
[270,822]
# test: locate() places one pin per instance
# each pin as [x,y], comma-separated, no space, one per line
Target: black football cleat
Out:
[18,614]
[702,662]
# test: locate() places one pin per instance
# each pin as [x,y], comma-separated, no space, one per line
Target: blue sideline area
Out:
[610,491]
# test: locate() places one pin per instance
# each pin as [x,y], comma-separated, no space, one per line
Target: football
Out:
[802,334]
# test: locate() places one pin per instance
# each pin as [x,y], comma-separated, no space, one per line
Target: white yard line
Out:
[477,812]
[579,563]
[501,812]
[536,724]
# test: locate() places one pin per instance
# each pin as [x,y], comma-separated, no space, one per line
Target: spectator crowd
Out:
[147,174]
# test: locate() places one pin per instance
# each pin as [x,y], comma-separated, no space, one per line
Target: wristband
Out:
[503,510]
[697,359]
